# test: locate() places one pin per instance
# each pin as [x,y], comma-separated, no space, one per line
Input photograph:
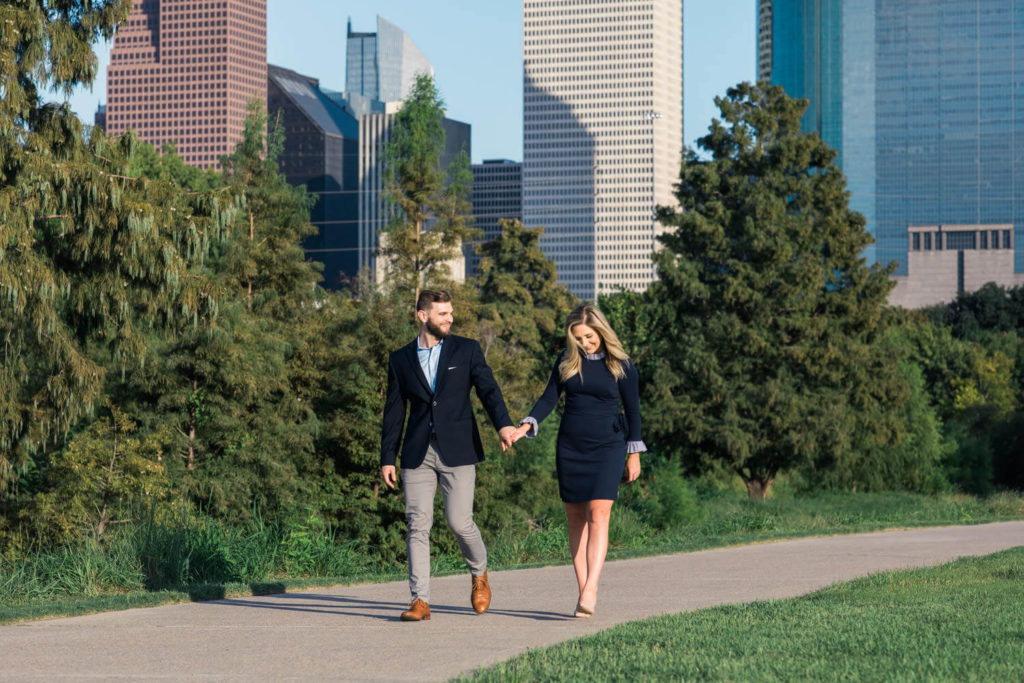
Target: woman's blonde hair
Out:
[615,356]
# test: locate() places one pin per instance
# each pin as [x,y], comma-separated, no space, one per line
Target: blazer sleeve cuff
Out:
[636,447]
[533,426]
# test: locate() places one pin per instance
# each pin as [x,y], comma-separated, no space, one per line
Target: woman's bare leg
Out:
[598,515]
[576,515]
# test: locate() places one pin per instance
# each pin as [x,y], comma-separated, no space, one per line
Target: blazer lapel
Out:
[414,364]
[447,349]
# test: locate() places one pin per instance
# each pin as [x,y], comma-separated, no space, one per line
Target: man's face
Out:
[437,319]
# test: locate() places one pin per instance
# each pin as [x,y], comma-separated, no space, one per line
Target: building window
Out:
[938,241]
[984,239]
[960,239]
[1006,239]
[917,241]
[928,241]
[995,239]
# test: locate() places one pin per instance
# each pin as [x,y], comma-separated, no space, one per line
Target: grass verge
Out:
[961,621]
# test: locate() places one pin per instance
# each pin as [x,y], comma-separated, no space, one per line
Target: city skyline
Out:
[478,75]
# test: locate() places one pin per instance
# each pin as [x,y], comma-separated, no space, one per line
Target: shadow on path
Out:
[375,607]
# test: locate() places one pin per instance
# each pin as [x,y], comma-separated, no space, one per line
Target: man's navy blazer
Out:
[448,407]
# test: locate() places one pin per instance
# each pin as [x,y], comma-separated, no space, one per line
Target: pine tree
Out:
[89,254]
[430,212]
[232,389]
[767,312]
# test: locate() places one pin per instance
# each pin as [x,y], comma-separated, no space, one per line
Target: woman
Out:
[595,374]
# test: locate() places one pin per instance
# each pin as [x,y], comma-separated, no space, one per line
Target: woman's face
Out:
[587,337]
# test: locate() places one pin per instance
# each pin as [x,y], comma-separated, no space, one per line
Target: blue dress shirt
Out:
[429,358]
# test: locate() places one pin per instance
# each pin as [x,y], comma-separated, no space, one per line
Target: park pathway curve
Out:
[352,632]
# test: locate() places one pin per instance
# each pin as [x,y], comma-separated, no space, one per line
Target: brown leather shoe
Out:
[418,611]
[480,596]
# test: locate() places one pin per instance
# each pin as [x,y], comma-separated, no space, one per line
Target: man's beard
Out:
[435,330]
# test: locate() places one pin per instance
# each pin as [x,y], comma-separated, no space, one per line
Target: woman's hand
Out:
[633,467]
[522,431]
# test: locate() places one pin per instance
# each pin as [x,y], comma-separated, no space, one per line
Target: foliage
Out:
[767,315]
[917,462]
[430,213]
[98,478]
[521,299]
[89,255]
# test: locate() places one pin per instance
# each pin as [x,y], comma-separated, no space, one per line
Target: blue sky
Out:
[476,49]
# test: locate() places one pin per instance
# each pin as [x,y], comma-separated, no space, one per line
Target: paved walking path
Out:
[352,632]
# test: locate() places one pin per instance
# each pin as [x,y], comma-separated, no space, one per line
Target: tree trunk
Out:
[252,236]
[757,488]
[416,263]
[193,419]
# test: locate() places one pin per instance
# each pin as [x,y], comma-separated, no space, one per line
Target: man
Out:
[433,375]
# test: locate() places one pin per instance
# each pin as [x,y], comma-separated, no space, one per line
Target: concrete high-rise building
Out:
[184,71]
[383,66]
[321,152]
[602,133]
[497,193]
[920,101]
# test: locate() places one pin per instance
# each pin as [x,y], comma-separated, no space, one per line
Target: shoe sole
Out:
[408,618]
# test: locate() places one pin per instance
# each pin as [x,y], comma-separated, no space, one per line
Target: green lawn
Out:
[961,621]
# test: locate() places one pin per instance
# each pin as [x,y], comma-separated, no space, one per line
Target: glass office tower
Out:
[383,66]
[919,99]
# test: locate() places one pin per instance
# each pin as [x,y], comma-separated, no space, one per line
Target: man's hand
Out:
[387,473]
[507,435]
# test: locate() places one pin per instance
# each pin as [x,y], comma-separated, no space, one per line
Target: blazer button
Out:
[435,404]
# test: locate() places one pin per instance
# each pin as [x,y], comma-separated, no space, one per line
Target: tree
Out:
[232,389]
[267,258]
[89,254]
[97,479]
[521,300]
[430,215]
[767,314]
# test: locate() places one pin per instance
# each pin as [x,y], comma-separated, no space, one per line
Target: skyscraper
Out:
[383,66]
[919,99]
[497,194]
[602,133]
[321,152]
[184,71]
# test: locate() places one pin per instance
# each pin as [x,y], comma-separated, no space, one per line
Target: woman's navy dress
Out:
[592,440]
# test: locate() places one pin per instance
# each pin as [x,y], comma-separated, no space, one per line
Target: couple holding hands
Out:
[431,378]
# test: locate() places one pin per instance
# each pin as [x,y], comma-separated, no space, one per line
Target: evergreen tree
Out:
[430,213]
[89,254]
[97,480]
[767,313]
[232,389]
[522,302]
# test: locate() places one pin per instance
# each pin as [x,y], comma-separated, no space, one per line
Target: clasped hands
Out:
[509,435]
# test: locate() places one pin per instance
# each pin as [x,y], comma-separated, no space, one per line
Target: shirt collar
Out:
[595,356]
[424,348]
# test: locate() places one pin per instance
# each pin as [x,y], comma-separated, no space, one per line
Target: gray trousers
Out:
[457,485]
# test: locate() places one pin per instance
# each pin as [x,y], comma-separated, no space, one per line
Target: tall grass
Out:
[174,554]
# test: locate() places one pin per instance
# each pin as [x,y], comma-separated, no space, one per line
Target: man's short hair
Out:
[429,297]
